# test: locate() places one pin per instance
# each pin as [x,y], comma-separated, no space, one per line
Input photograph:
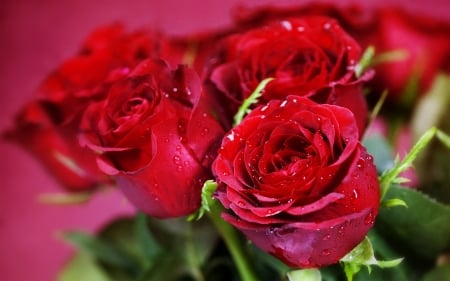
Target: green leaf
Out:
[99,249]
[365,62]
[385,249]
[207,192]
[377,108]
[422,228]
[390,56]
[82,267]
[433,165]
[188,247]
[145,239]
[304,275]
[363,255]
[441,273]
[394,202]
[252,99]
[65,198]
[389,176]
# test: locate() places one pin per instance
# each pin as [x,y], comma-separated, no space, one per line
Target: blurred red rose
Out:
[426,45]
[48,125]
[297,181]
[424,41]
[311,57]
[156,136]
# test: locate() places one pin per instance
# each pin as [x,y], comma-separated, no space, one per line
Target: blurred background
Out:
[36,37]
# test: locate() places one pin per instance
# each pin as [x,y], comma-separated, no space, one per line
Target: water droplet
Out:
[175,89]
[326,252]
[300,28]
[319,119]
[205,131]
[361,163]
[327,26]
[283,104]
[241,203]
[179,168]
[354,194]
[369,157]
[290,200]
[341,230]
[269,212]
[327,237]
[270,231]
[204,114]
[230,136]
[264,108]
[369,218]
[225,174]
[287,25]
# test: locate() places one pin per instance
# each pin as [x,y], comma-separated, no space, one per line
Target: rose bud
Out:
[48,125]
[156,136]
[297,181]
[311,57]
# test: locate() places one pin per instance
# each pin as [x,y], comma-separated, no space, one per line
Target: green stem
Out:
[232,240]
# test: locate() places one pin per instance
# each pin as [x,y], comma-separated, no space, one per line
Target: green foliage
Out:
[423,227]
[304,275]
[252,99]
[144,249]
[364,255]
[366,61]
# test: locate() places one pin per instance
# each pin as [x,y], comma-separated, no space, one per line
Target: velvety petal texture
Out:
[48,125]
[298,182]
[156,136]
[310,56]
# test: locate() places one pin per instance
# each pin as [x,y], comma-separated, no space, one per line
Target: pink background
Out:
[35,37]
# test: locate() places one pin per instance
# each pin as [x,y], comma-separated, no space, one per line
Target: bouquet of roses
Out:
[278,148]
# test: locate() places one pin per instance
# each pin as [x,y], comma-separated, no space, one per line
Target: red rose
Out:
[311,57]
[48,126]
[425,41]
[156,136]
[298,182]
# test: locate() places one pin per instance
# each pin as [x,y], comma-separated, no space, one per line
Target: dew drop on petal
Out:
[369,218]
[341,230]
[361,163]
[287,25]
[326,252]
[264,108]
[327,237]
